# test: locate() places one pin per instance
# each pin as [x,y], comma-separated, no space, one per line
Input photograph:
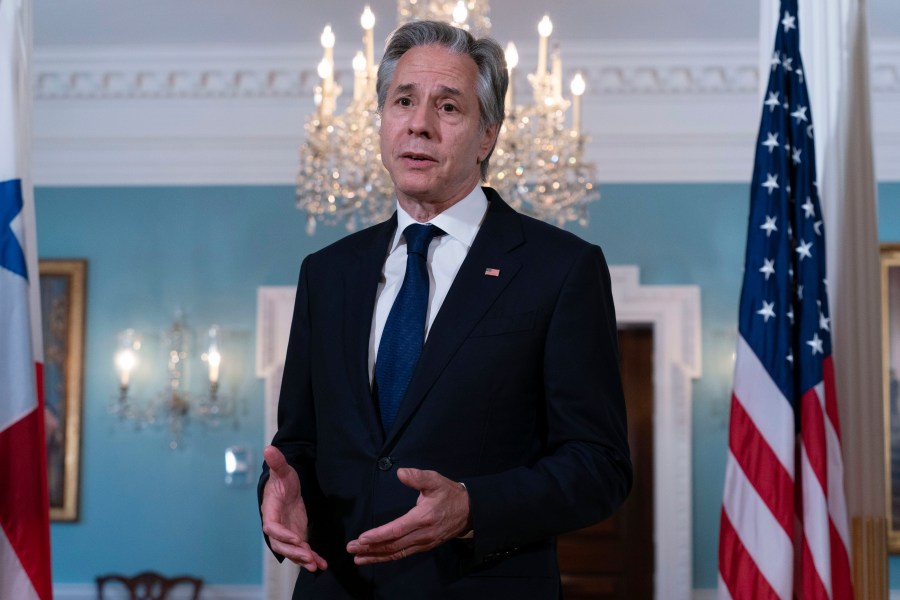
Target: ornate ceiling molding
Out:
[234,115]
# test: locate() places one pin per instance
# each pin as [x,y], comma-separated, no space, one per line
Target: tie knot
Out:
[418,236]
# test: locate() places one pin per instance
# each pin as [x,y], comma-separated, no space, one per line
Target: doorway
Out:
[614,560]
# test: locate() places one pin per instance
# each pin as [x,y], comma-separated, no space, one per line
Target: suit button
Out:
[385,463]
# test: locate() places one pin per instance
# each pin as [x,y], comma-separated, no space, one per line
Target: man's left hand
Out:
[441,514]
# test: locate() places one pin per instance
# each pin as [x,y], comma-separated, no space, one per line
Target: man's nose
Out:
[421,121]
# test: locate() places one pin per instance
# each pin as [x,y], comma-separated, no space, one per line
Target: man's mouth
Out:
[417,157]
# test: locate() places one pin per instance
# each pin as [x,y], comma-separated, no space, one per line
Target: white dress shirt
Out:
[445,255]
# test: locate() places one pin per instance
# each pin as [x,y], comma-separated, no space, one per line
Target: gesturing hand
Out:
[284,514]
[441,514]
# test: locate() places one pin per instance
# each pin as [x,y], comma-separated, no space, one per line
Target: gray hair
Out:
[492,80]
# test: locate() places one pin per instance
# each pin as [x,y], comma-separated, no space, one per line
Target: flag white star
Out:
[771,141]
[776,60]
[767,311]
[817,226]
[768,267]
[795,156]
[790,357]
[816,345]
[824,322]
[800,114]
[773,100]
[769,225]
[789,21]
[803,250]
[771,182]
[800,292]
[800,74]
[790,314]
[809,208]
[809,130]
[787,63]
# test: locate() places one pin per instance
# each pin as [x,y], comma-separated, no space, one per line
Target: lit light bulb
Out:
[545,27]
[359,62]
[212,356]
[367,20]
[460,12]
[578,85]
[327,38]
[512,56]
[325,69]
[126,361]
[126,357]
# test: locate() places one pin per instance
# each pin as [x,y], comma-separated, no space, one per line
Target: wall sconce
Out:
[173,405]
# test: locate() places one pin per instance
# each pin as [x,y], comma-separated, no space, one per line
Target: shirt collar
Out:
[461,221]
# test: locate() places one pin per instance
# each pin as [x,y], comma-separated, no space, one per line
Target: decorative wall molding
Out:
[71,73]
[234,115]
[174,72]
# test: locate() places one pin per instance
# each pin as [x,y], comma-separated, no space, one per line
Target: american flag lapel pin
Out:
[492,272]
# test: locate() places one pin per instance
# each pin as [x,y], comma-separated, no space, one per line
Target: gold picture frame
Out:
[62,317]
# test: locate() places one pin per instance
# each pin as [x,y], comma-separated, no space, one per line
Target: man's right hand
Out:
[284,514]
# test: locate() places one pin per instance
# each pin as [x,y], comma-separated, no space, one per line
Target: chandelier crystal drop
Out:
[538,165]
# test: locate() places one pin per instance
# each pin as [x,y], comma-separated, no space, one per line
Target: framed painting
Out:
[890,339]
[62,318]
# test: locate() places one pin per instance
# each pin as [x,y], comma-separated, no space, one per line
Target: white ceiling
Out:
[267,22]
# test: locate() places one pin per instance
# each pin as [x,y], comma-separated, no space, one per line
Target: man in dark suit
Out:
[445,469]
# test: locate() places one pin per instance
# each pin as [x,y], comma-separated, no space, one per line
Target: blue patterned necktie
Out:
[404,331]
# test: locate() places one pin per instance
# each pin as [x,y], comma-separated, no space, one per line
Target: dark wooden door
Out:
[614,559]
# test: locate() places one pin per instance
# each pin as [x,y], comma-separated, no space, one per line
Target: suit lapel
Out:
[360,286]
[471,294]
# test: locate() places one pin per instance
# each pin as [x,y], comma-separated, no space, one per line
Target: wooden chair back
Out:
[149,585]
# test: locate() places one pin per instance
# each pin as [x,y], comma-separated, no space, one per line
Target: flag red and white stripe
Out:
[783,529]
[24,504]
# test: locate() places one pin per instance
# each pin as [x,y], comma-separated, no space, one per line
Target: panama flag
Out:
[24,505]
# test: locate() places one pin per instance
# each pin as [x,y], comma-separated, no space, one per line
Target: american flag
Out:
[24,505]
[783,530]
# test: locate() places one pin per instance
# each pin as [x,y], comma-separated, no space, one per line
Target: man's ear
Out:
[488,141]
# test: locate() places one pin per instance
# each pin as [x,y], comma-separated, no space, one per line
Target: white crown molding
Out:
[234,115]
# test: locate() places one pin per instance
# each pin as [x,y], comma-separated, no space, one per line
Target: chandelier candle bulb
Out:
[212,357]
[359,76]
[460,14]
[556,72]
[577,87]
[126,356]
[512,60]
[326,70]
[367,20]
[545,28]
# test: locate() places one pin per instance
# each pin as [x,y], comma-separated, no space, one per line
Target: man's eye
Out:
[404,102]
[448,108]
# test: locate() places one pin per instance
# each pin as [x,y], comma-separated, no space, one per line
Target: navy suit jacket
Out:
[517,394]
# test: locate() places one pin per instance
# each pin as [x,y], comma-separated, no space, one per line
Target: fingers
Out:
[418,479]
[301,554]
[276,461]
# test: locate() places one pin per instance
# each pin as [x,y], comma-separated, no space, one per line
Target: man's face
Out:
[431,139]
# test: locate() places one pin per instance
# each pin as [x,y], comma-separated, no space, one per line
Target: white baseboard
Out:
[87,591]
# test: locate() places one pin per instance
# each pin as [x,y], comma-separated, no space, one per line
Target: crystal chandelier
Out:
[537,166]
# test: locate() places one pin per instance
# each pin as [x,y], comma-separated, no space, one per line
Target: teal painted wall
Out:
[153,251]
